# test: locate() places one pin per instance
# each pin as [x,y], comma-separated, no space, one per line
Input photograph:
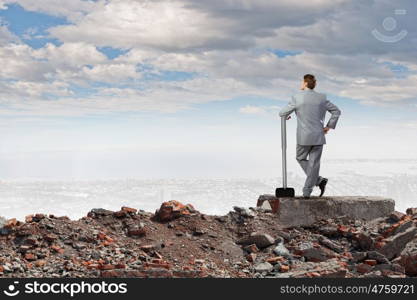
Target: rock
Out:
[263,267]
[198,232]
[401,226]
[277,267]
[50,226]
[38,217]
[392,274]
[30,256]
[279,240]
[382,267]
[57,249]
[363,268]
[31,240]
[373,274]
[330,244]
[365,242]
[393,245]
[283,234]
[268,203]
[275,260]
[344,230]
[40,263]
[313,253]
[50,237]
[299,211]
[173,209]
[408,258]
[213,235]
[78,245]
[244,212]
[371,262]
[99,212]
[7,268]
[330,230]
[251,248]
[359,256]
[24,248]
[24,230]
[411,211]
[10,223]
[284,268]
[231,249]
[396,216]
[398,268]
[261,240]
[379,257]
[281,250]
[129,210]
[331,268]
[5,231]
[120,214]
[136,231]
[251,257]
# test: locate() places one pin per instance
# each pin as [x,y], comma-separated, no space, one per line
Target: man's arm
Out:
[288,110]
[335,114]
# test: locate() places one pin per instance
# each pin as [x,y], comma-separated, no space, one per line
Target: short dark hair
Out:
[311,81]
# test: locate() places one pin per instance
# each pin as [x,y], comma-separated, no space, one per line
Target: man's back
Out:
[310,108]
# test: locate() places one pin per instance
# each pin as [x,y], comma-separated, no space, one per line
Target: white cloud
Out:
[74,55]
[224,44]
[73,10]
[252,110]
[18,62]
[129,23]
[257,110]
[5,35]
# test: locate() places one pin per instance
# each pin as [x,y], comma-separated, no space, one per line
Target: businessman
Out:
[310,108]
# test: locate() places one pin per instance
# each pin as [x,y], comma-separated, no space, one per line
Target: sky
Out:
[130,88]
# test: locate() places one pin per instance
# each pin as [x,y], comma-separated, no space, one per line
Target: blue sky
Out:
[129,80]
[30,26]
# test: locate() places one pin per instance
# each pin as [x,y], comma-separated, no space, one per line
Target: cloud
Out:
[73,55]
[73,10]
[252,110]
[156,24]
[227,49]
[5,35]
[259,110]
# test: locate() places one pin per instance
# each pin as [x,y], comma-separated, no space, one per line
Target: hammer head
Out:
[284,192]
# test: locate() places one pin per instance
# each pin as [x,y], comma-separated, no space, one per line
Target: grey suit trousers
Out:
[311,166]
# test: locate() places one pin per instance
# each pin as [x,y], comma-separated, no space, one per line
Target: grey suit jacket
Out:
[310,108]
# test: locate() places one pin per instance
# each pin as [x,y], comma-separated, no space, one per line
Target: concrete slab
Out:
[298,211]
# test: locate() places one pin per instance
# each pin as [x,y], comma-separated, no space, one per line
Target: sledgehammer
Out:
[284,191]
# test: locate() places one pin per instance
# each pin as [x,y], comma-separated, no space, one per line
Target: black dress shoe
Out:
[322,186]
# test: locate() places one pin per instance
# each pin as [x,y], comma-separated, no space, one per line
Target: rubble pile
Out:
[179,241]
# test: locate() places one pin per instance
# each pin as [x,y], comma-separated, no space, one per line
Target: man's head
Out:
[308,82]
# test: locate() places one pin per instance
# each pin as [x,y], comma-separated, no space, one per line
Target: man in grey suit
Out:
[310,108]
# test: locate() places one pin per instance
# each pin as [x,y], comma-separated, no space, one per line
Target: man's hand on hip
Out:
[326,130]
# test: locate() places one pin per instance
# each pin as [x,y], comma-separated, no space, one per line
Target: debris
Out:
[244,243]
[263,267]
[173,209]
[261,240]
